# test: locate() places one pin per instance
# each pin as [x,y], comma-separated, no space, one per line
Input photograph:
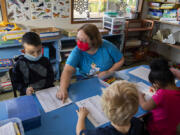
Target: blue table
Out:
[124,74]
[63,121]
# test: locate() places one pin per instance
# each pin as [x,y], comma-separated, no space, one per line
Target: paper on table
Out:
[48,100]
[96,115]
[142,87]
[7,129]
[141,72]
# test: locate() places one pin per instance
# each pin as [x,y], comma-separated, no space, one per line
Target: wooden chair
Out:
[13,87]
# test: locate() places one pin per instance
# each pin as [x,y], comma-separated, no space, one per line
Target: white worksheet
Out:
[7,129]
[142,87]
[141,72]
[48,99]
[96,115]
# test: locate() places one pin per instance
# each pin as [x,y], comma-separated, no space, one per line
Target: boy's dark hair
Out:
[31,38]
[161,73]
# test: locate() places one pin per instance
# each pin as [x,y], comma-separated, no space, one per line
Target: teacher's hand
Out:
[62,94]
[103,73]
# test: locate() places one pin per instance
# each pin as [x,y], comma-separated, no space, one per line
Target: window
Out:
[93,10]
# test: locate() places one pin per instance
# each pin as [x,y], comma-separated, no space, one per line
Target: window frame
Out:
[96,20]
[81,20]
[4,11]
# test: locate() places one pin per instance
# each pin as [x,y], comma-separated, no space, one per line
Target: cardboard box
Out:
[103,31]
[70,32]
[47,32]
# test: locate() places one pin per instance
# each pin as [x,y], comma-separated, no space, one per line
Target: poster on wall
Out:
[61,9]
[18,10]
[23,10]
[41,9]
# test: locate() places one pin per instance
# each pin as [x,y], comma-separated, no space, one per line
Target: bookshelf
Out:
[160,14]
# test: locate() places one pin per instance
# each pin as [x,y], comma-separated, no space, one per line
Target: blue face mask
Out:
[32,58]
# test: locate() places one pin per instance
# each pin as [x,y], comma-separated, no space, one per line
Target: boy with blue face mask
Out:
[32,71]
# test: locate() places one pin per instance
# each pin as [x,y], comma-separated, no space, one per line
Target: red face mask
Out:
[82,45]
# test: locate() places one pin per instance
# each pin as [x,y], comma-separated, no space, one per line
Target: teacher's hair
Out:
[93,33]
[160,73]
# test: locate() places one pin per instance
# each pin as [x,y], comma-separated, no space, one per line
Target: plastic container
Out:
[118,74]
[115,24]
[14,120]
[111,13]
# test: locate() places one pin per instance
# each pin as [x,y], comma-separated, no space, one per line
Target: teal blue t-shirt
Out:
[102,60]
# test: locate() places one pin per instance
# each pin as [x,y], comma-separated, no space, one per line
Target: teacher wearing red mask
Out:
[91,56]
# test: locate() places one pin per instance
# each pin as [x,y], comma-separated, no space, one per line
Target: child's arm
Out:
[82,113]
[176,72]
[146,105]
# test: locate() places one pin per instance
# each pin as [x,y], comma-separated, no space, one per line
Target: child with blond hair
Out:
[120,103]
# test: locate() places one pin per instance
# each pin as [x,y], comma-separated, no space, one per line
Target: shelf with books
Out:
[165,2]
[165,12]
[10,45]
[4,70]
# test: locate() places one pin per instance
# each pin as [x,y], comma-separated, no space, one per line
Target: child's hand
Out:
[176,72]
[141,95]
[29,91]
[152,90]
[82,112]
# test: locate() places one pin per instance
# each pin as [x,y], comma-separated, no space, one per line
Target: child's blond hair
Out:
[120,102]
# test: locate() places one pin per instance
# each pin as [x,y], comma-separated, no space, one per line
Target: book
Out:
[8,129]
[5,82]
[6,63]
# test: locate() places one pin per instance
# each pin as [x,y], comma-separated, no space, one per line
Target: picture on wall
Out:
[18,10]
[23,10]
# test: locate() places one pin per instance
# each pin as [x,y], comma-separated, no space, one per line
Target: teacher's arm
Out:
[116,66]
[65,80]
